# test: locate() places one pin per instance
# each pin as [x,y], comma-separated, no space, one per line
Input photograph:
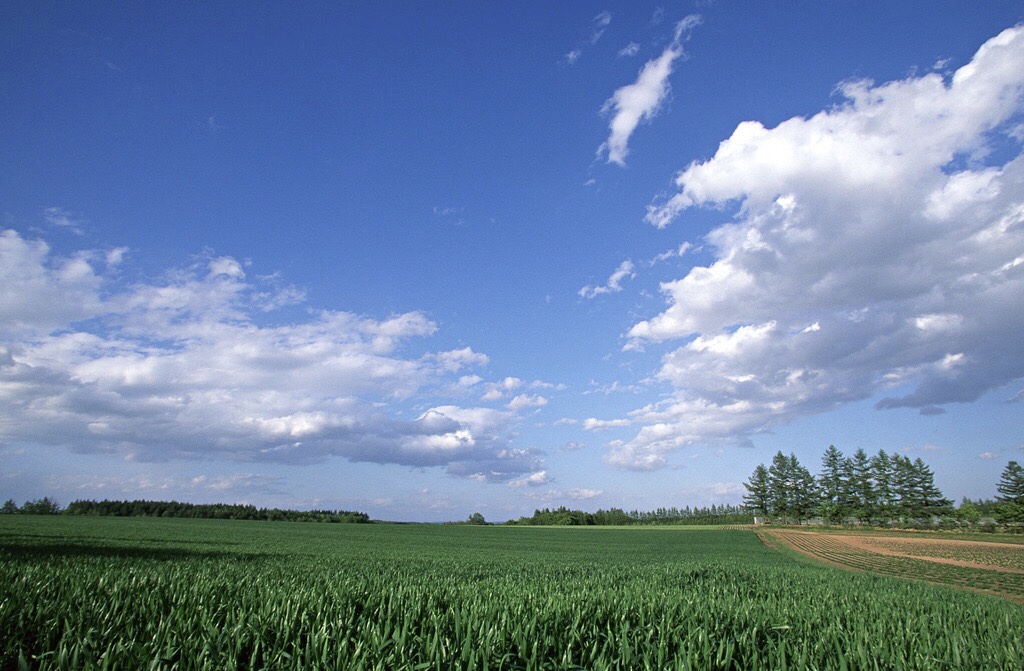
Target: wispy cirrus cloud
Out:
[234,487]
[183,368]
[878,247]
[642,100]
[595,31]
[631,49]
[625,271]
[63,219]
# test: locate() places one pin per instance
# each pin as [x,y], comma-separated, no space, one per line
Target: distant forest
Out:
[723,514]
[220,511]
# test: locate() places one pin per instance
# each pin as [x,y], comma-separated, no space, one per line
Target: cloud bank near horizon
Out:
[877,247]
[182,368]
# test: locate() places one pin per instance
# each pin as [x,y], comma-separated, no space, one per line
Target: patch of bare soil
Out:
[867,552]
[923,549]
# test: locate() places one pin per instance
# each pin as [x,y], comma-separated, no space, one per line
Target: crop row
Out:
[1003,556]
[836,551]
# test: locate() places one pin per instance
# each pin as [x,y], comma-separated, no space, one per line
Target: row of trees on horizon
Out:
[879,490]
[141,508]
[714,514]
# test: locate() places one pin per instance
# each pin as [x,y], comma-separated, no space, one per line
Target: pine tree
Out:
[882,476]
[805,490]
[759,491]
[861,489]
[780,486]
[1010,507]
[903,486]
[833,486]
[921,499]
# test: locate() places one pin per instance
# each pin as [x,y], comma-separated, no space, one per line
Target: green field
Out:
[137,593]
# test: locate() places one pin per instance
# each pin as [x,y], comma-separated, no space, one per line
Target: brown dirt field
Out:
[918,548]
[914,548]
[858,552]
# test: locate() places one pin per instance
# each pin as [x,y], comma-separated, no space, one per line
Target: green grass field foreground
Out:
[137,593]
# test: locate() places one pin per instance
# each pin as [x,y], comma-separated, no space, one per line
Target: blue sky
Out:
[426,259]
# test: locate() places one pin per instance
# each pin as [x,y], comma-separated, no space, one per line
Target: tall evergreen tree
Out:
[759,491]
[781,486]
[923,499]
[1010,506]
[902,486]
[833,485]
[805,497]
[861,488]
[882,476]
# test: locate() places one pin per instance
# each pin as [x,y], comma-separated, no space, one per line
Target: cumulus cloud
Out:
[877,246]
[182,368]
[594,424]
[642,100]
[614,285]
[496,391]
[522,401]
[533,480]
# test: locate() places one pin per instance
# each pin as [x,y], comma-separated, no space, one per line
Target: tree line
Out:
[714,514]
[142,508]
[883,489]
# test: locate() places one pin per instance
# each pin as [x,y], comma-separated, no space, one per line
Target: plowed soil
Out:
[990,567]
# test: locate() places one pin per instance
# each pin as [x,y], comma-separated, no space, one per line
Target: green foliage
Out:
[759,491]
[833,484]
[785,490]
[136,593]
[1010,509]
[711,515]
[219,511]
[884,489]
[43,506]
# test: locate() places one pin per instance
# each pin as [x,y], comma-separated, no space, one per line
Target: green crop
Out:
[95,593]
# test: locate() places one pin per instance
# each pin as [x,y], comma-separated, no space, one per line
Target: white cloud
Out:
[533,480]
[631,49]
[614,285]
[641,100]
[496,391]
[671,253]
[873,249]
[522,401]
[42,293]
[599,24]
[182,369]
[61,218]
[232,488]
[596,30]
[989,456]
[593,424]
[583,494]
[456,360]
